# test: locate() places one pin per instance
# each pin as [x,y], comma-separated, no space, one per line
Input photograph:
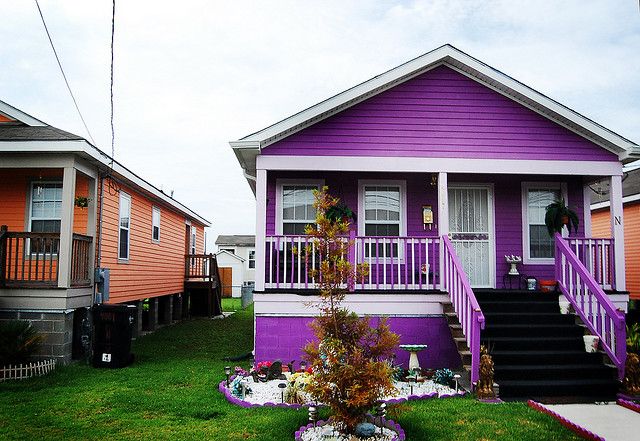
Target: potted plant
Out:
[558,215]
[631,381]
[81,201]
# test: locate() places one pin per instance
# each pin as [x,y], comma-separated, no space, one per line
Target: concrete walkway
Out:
[610,421]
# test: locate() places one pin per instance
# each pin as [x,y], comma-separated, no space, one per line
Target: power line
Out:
[113,31]
[63,74]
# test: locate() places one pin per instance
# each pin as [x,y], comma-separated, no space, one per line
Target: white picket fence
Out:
[22,371]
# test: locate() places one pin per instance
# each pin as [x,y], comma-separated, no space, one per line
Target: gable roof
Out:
[247,148]
[630,190]
[30,135]
[237,240]
[230,254]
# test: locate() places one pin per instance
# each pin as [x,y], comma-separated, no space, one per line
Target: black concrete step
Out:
[545,357]
[488,295]
[495,318]
[598,389]
[531,330]
[554,372]
[511,306]
[533,343]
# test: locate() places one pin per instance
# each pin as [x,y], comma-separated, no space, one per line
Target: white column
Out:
[66,227]
[443,217]
[617,230]
[92,222]
[261,226]
[586,197]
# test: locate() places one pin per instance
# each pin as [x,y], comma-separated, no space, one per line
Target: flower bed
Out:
[387,430]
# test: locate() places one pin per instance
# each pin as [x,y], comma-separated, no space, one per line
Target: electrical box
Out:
[102,285]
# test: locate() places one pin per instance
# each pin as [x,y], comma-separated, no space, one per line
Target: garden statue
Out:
[485,384]
[631,382]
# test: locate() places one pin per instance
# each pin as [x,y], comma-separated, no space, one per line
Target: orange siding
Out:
[153,269]
[5,119]
[601,227]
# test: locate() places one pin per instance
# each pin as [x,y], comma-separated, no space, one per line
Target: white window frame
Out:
[280,183]
[154,210]
[27,249]
[249,259]
[402,185]
[126,196]
[526,246]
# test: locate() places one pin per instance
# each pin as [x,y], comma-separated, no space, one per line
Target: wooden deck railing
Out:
[597,255]
[200,266]
[465,304]
[591,303]
[395,263]
[30,260]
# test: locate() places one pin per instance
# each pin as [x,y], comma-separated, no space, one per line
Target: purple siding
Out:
[507,201]
[284,337]
[440,113]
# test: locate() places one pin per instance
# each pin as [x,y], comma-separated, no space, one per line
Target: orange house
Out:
[67,209]
[601,226]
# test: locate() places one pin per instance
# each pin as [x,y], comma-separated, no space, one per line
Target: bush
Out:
[18,342]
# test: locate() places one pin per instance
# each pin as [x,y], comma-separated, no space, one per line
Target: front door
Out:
[472,233]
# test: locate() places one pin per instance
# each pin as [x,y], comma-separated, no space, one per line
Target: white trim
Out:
[491,214]
[86,150]
[525,187]
[586,209]
[193,240]
[450,165]
[261,228]
[617,230]
[19,115]
[124,195]
[319,183]
[235,256]
[30,201]
[449,55]
[606,204]
[154,210]
[401,184]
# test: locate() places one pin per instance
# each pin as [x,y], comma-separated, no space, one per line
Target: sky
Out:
[194,75]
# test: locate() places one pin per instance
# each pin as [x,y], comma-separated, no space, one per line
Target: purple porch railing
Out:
[597,255]
[395,263]
[465,304]
[591,303]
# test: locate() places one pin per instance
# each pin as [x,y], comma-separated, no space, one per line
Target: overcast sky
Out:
[192,75]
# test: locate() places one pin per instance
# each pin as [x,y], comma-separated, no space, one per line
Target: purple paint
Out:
[284,338]
[440,113]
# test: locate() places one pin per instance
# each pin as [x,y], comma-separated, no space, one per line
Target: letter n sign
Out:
[617,220]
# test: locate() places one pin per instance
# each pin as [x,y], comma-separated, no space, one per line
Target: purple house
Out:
[449,165]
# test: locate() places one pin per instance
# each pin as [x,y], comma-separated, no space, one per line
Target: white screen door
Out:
[471,232]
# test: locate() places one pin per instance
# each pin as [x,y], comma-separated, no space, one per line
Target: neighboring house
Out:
[601,224]
[448,164]
[237,262]
[67,208]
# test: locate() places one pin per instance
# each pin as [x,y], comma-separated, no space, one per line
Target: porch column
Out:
[443,216]
[92,217]
[617,230]
[66,227]
[586,197]
[261,226]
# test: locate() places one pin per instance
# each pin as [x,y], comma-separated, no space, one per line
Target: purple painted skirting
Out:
[578,430]
[282,338]
[440,113]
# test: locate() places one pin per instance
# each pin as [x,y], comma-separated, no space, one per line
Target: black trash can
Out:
[112,331]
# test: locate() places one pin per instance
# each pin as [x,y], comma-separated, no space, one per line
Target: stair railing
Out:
[465,304]
[591,303]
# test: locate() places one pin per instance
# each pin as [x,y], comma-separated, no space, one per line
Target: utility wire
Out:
[63,74]
[113,29]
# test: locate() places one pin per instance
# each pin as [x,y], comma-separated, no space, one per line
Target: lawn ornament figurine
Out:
[485,384]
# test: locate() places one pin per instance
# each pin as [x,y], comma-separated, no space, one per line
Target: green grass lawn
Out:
[170,392]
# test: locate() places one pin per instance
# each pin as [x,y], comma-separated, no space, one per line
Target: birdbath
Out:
[413,357]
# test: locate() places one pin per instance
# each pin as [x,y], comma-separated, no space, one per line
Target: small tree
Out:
[349,358]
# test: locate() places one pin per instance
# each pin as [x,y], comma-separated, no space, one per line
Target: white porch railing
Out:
[395,263]
[597,255]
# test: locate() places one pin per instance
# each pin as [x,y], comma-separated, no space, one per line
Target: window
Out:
[193,240]
[294,205]
[124,226]
[155,221]
[538,245]
[252,259]
[45,213]
[383,205]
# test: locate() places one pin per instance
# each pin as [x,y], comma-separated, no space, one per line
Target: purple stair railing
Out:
[465,304]
[591,303]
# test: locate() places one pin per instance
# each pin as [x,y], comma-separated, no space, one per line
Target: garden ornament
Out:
[485,384]
[631,382]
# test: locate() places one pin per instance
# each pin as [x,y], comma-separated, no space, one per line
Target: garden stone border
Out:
[578,430]
[222,387]
[629,405]
[387,424]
